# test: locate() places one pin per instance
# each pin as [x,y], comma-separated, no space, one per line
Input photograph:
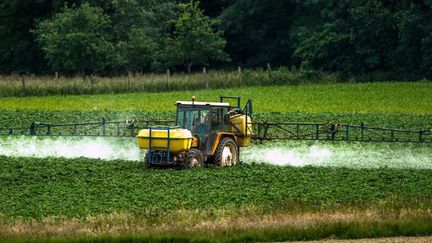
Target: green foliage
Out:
[259,31]
[352,37]
[149,16]
[139,30]
[345,42]
[23,118]
[157,82]
[77,40]
[18,51]
[151,82]
[139,52]
[81,187]
[194,41]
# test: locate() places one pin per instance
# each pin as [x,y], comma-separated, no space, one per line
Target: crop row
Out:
[35,188]
[23,118]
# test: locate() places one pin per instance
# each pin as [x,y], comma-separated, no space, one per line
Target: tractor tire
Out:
[226,152]
[194,159]
[146,164]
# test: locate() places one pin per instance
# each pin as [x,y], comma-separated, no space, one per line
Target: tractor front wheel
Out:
[147,165]
[194,158]
[226,152]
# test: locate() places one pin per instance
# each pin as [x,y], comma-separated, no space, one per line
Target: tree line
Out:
[116,36]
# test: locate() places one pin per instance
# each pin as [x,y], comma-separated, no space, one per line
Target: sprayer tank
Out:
[179,139]
[239,125]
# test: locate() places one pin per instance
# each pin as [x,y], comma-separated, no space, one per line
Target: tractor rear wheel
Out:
[194,158]
[226,152]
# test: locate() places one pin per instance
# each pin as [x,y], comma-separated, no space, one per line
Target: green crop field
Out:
[83,188]
[412,98]
[369,190]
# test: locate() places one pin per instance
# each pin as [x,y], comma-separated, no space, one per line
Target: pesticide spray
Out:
[71,147]
[288,153]
[340,154]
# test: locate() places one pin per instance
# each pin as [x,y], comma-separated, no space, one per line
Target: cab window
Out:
[191,117]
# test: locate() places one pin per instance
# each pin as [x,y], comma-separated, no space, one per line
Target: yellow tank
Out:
[238,125]
[180,139]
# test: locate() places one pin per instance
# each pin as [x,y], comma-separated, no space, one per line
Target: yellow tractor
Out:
[205,133]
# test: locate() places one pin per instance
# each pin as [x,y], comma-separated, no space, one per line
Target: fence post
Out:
[56,76]
[269,70]
[23,83]
[347,133]
[239,75]
[168,76]
[205,77]
[129,83]
[103,126]
[33,129]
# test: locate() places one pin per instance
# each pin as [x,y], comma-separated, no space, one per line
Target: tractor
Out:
[206,133]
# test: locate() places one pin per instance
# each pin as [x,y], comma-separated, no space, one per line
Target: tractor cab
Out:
[204,120]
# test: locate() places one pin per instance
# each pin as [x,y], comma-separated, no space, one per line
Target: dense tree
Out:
[18,52]
[353,37]
[77,40]
[258,31]
[139,52]
[194,40]
[345,40]
[151,16]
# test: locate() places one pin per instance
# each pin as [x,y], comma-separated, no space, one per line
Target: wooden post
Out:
[56,76]
[23,83]
[91,82]
[205,77]
[168,74]
[129,84]
[239,75]
[269,69]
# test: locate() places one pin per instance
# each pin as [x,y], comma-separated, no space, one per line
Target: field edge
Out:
[192,226]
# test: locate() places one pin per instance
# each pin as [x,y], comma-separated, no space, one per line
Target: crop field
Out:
[87,189]
[413,98]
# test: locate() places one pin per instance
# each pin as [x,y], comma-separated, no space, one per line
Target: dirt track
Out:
[380,240]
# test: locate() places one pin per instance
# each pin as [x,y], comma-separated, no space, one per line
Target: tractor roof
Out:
[202,103]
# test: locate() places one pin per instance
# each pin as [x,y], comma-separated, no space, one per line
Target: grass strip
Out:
[197,226]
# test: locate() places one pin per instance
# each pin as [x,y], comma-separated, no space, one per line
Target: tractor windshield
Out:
[193,118]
